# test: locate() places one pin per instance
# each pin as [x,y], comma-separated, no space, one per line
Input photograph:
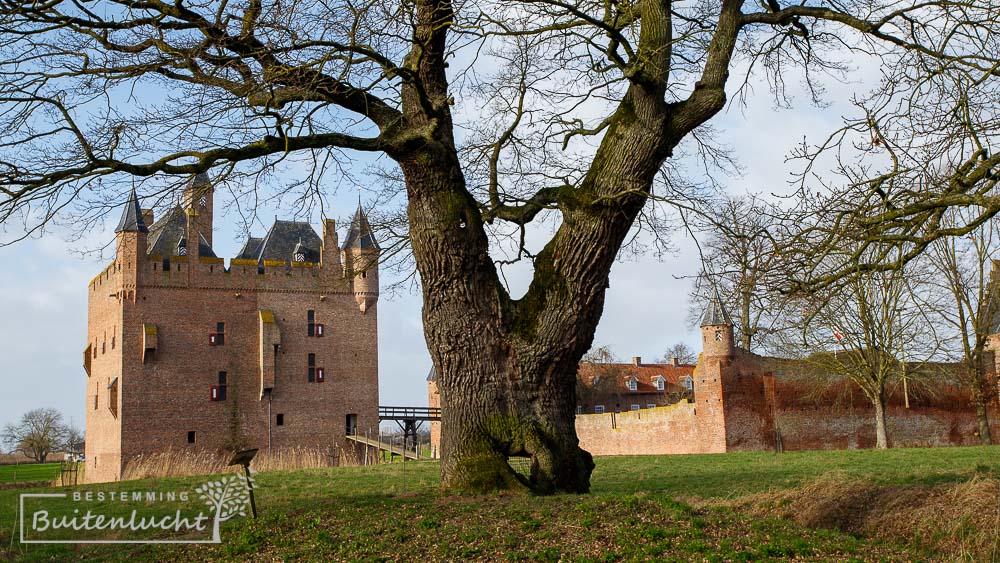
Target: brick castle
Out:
[277,350]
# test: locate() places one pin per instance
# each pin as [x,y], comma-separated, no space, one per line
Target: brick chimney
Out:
[675,361]
[636,360]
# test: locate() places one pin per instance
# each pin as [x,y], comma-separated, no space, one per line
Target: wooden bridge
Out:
[409,420]
[384,447]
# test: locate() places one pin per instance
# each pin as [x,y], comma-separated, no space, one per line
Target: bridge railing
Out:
[409,413]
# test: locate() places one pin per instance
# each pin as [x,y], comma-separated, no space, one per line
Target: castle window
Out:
[219,337]
[312,368]
[218,392]
[311,319]
[320,375]
[191,436]
[598,409]
[113,397]
[95,398]
[112,341]
[280,419]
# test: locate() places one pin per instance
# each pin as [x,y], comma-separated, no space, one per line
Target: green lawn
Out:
[29,473]
[396,512]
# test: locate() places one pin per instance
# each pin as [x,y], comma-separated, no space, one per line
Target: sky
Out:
[44,280]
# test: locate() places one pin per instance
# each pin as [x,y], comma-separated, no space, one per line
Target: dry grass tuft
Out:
[174,463]
[959,519]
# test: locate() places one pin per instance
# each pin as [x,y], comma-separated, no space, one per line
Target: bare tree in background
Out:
[742,260]
[965,271]
[680,351]
[873,330]
[94,94]
[74,442]
[37,434]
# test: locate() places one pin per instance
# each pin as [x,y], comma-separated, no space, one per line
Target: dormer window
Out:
[688,383]
[632,384]
[299,253]
[659,381]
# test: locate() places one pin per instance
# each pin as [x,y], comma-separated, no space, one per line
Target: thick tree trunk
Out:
[507,388]
[881,437]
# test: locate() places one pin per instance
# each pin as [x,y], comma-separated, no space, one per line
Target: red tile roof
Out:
[645,375]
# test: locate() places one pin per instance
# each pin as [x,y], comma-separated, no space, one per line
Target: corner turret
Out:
[131,240]
[361,253]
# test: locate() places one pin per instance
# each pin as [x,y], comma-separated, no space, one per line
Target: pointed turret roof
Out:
[198,180]
[131,220]
[360,234]
[715,314]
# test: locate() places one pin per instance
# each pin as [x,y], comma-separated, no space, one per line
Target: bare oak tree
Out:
[37,434]
[488,110]
[873,330]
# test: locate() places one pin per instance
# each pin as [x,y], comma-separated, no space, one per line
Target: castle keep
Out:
[277,350]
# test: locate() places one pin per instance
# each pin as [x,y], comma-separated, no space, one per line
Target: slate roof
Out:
[250,249]
[360,234]
[168,233]
[432,375]
[281,242]
[131,220]
[716,314]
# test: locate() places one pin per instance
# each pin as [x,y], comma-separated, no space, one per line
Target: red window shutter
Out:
[319,330]
[320,375]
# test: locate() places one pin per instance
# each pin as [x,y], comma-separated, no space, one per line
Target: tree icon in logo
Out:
[229,496]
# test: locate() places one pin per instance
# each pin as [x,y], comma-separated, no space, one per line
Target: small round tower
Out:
[717,329]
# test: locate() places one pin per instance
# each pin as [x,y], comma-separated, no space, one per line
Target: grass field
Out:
[740,507]
[29,473]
